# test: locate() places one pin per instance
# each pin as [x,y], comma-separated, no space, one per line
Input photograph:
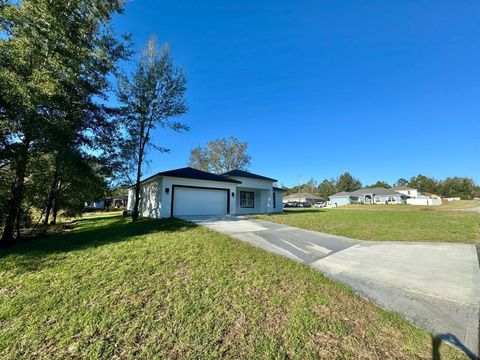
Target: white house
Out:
[376,195]
[188,191]
[410,192]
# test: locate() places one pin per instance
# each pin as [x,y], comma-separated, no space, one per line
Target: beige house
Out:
[303,197]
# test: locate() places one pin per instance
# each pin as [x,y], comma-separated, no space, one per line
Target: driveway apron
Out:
[435,285]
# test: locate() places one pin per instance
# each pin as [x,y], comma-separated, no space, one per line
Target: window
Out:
[274,200]
[247,199]
[391,199]
[377,199]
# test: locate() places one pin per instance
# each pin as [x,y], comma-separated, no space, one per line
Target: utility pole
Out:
[298,179]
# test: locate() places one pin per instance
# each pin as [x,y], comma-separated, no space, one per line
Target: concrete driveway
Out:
[435,285]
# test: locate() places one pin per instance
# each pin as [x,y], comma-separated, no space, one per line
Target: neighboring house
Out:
[368,196]
[108,203]
[425,198]
[95,205]
[303,197]
[343,198]
[118,202]
[410,192]
[189,191]
[424,201]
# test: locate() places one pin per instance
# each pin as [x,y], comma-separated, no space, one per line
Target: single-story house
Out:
[376,195]
[188,191]
[343,198]
[303,197]
[95,205]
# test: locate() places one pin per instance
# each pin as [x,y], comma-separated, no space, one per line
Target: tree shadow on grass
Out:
[292,211]
[87,233]
[452,340]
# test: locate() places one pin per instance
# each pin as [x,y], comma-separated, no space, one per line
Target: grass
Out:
[399,223]
[170,289]
[452,205]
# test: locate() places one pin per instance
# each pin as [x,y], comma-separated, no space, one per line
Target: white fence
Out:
[420,201]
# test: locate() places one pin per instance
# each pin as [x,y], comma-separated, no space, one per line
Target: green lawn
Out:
[169,289]
[397,222]
[452,205]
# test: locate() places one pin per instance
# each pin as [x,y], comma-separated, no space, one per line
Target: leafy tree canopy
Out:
[347,182]
[221,155]
[152,96]
[382,184]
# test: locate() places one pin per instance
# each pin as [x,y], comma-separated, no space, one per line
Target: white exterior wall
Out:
[258,199]
[424,201]
[168,182]
[340,201]
[150,199]
[130,199]
[264,188]
[412,193]
[382,199]
[279,201]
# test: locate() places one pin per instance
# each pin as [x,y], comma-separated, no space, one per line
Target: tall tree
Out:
[464,188]
[310,187]
[401,182]
[221,155]
[326,188]
[424,184]
[380,183]
[55,57]
[151,97]
[347,182]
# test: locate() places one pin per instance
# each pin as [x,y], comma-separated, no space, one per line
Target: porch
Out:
[252,201]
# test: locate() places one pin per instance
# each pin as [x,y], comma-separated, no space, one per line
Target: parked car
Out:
[292,204]
[304,204]
[320,204]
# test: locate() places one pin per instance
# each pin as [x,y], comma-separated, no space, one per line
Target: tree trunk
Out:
[55,210]
[137,188]
[51,196]
[15,202]
[141,148]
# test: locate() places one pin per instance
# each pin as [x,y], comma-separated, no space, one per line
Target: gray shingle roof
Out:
[341,194]
[191,173]
[376,191]
[302,195]
[379,191]
[246,174]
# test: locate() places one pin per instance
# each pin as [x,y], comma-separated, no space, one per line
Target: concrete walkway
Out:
[435,285]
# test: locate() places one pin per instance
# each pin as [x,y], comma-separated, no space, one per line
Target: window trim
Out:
[244,206]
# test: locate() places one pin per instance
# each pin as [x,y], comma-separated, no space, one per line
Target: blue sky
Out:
[383,89]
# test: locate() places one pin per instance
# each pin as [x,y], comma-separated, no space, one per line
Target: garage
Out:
[199,201]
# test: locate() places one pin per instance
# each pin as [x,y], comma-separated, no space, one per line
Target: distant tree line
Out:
[462,187]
